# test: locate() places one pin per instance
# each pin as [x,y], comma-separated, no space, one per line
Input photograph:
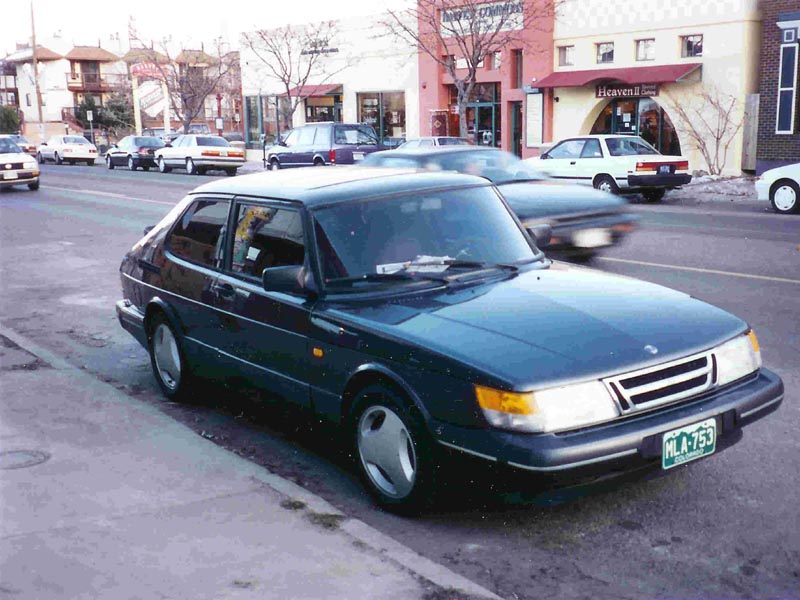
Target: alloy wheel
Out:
[386,451]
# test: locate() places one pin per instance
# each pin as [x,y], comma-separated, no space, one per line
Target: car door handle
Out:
[223,290]
[572,162]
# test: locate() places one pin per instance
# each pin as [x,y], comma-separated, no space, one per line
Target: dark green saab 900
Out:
[415,311]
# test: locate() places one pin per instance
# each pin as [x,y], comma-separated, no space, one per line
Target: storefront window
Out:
[323,108]
[386,113]
[483,113]
[642,117]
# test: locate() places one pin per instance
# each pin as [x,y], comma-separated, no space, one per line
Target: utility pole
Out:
[36,77]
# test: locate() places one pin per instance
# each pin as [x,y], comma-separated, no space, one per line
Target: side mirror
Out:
[290,279]
[544,156]
[114,146]
[43,144]
[167,145]
[148,229]
[541,234]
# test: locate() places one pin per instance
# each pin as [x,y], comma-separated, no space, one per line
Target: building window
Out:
[449,60]
[386,112]
[605,53]
[461,63]
[497,60]
[645,49]
[27,99]
[787,89]
[691,45]
[566,56]
[517,59]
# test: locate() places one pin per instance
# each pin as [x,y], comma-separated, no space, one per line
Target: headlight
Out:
[29,165]
[554,409]
[737,358]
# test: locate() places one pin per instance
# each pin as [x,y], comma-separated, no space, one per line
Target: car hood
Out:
[549,326]
[792,171]
[14,157]
[544,198]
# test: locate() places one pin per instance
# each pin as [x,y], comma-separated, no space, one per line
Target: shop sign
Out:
[624,91]
[484,17]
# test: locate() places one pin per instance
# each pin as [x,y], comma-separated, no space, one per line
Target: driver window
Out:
[291,139]
[265,237]
[567,149]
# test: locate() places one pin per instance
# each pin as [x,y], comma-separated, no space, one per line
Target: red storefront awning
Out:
[311,91]
[632,76]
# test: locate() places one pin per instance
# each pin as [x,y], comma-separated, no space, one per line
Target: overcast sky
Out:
[188,21]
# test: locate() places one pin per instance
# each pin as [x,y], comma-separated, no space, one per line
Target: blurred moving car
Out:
[68,149]
[17,167]
[198,154]
[583,220]
[135,152]
[159,132]
[618,164]
[22,142]
[435,140]
[318,144]
[412,310]
[781,186]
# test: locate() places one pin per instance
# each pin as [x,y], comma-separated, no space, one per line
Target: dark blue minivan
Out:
[318,144]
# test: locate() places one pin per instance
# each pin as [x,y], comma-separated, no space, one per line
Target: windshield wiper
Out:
[467,264]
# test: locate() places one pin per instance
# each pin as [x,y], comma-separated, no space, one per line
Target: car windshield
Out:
[629,147]
[20,139]
[212,141]
[8,147]
[438,231]
[453,141]
[74,139]
[149,142]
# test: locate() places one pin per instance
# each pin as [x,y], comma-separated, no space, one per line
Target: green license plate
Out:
[689,443]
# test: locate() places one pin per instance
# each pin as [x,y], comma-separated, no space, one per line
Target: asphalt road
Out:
[725,527]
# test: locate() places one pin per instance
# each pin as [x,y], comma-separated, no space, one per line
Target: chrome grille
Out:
[664,383]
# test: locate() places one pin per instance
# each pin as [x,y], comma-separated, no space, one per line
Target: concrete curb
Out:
[406,558]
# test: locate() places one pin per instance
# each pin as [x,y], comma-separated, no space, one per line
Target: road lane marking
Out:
[699,270]
[107,195]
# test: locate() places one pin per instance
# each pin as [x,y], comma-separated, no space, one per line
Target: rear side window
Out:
[354,134]
[266,237]
[198,234]
[592,150]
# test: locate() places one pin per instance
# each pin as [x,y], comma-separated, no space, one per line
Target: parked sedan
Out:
[16,166]
[583,221]
[198,154]
[135,152]
[781,186]
[413,310]
[24,144]
[619,164]
[68,149]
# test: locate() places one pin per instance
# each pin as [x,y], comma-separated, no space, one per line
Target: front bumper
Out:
[23,178]
[762,189]
[658,181]
[584,235]
[625,445]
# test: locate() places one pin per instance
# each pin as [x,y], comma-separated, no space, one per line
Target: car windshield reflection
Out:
[387,239]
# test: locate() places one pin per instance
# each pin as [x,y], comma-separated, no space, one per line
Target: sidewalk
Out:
[102,497]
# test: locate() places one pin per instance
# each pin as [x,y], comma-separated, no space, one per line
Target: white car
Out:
[781,186]
[198,154]
[17,167]
[67,149]
[619,164]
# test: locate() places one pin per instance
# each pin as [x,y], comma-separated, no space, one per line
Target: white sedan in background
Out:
[17,167]
[619,164]
[67,149]
[781,186]
[198,154]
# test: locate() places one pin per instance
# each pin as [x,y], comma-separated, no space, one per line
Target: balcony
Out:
[94,82]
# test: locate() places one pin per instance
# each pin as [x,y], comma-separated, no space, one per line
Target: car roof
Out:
[436,150]
[315,186]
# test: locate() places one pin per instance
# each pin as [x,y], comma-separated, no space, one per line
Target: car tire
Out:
[167,359]
[230,172]
[33,185]
[653,195]
[131,164]
[274,164]
[57,159]
[162,165]
[318,162]
[89,163]
[39,158]
[191,169]
[784,195]
[394,453]
[606,183]
[109,163]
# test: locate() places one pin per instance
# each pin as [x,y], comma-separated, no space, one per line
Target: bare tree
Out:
[191,76]
[711,120]
[295,57]
[460,35]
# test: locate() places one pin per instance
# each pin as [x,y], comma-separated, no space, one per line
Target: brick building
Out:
[779,105]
